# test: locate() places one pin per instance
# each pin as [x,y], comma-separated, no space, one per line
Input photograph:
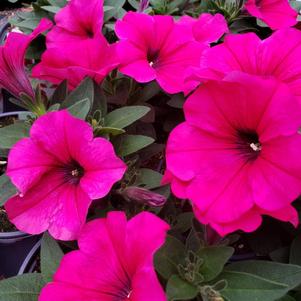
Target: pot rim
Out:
[14,234]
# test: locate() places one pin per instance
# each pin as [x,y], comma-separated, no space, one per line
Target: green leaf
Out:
[60,93]
[247,287]
[168,257]
[287,298]
[7,189]
[129,144]
[295,252]
[125,116]
[51,9]
[215,258]
[110,131]
[179,289]
[59,3]
[25,287]
[287,274]
[51,256]
[80,109]
[177,101]
[11,134]
[99,102]
[85,90]
[148,178]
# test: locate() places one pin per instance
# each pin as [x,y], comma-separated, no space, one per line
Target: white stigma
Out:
[256,147]
[75,173]
[151,63]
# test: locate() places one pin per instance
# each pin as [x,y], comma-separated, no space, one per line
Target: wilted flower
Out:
[275,13]
[143,196]
[277,56]
[114,262]
[13,76]
[59,170]
[156,48]
[237,155]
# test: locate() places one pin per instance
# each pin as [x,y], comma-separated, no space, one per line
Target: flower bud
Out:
[143,196]
[143,5]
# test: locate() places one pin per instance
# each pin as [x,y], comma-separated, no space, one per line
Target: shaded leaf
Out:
[129,144]
[125,116]
[11,134]
[247,287]
[25,287]
[287,274]
[51,256]
[7,189]
[168,257]
[295,252]
[80,109]
[179,289]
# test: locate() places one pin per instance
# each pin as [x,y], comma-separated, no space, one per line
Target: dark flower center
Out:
[248,144]
[73,172]
[153,57]
[258,3]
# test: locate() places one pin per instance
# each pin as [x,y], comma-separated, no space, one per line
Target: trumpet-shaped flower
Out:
[277,56]
[76,22]
[92,57]
[275,13]
[13,76]
[114,262]
[76,47]
[58,171]
[236,157]
[156,48]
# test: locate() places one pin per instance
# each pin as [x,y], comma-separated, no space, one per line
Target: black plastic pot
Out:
[18,253]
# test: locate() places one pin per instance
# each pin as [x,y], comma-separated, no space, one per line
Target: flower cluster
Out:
[233,156]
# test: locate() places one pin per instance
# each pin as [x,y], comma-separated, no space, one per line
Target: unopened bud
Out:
[143,196]
[143,5]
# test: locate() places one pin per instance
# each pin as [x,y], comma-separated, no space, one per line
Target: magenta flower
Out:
[59,170]
[75,61]
[114,262]
[77,21]
[275,13]
[76,47]
[237,155]
[156,48]
[207,28]
[277,56]
[13,76]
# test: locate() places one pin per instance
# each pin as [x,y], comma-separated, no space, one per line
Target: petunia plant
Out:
[158,154]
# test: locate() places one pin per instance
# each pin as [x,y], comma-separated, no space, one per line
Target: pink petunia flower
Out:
[92,57]
[277,56]
[77,21]
[156,48]
[76,48]
[59,170]
[114,262]
[237,155]
[207,28]
[13,76]
[276,14]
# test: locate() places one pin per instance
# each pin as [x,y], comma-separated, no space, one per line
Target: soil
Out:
[5,224]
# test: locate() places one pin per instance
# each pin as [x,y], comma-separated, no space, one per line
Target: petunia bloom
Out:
[277,56]
[58,171]
[156,48]
[76,22]
[236,157]
[76,48]
[114,262]
[13,76]
[75,61]
[276,14]
[207,28]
